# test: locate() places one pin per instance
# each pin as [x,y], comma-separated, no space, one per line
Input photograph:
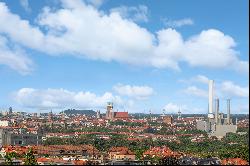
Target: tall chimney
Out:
[210,98]
[228,111]
[217,111]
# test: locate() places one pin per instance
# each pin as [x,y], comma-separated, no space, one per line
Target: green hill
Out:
[74,111]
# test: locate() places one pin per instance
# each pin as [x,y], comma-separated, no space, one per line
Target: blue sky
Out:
[142,55]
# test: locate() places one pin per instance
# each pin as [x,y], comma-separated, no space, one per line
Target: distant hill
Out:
[74,111]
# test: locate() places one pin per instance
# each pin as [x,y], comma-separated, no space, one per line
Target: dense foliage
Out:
[29,158]
[82,112]
[130,124]
[232,146]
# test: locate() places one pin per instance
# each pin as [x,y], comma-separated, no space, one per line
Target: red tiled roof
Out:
[121,114]
[132,139]
[42,159]
[234,161]
[121,150]
[53,149]
[161,152]
[17,149]
[79,162]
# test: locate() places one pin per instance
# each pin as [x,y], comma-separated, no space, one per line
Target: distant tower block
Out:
[210,98]
[150,114]
[98,114]
[34,115]
[50,116]
[63,116]
[163,111]
[10,110]
[179,114]
[228,112]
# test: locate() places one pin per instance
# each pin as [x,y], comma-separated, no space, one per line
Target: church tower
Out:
[109,113]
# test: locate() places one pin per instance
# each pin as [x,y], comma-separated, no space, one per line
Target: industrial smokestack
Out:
[210,98]
[217,111]
[228,111]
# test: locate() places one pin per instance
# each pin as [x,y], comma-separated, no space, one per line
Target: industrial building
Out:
[216,124]
[10,138]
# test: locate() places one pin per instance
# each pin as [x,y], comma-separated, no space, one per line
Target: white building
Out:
[4,123]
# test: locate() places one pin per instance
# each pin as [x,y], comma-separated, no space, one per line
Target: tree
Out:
[139,153]
[30,158]
[8,158]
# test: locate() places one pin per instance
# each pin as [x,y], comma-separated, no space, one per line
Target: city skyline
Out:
[139,55]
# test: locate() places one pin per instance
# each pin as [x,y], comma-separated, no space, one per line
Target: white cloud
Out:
[178,23]
[211,49]
[137,14]
[222,89]
[241,66]
[201,78]
[193,90]
[81,30]
[173,108]
[25,5]
[61,98]
[138,92]
[230,89]
[196,79]
[96,3]
[14,57]
[27,35]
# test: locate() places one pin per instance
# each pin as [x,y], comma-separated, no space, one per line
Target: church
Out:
[111,115]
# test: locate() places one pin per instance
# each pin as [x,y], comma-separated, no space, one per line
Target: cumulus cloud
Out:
[137,14]
[138,92]
[194,91]
[82,30]
[61,98]
[173,108]
[14,57]
[25,5]
[222,54]
[196,79]
[230,89]
[96,3]
[178,23]
[222,89]
[201,78]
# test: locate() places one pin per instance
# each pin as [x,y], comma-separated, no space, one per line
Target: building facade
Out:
[9,138]
[167,119]
[112,115]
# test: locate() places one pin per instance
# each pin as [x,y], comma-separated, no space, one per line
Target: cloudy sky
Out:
[141,55]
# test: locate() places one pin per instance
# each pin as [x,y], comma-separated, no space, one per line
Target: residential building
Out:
[121,153]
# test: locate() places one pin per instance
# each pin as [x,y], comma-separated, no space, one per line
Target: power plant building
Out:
[216,124]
